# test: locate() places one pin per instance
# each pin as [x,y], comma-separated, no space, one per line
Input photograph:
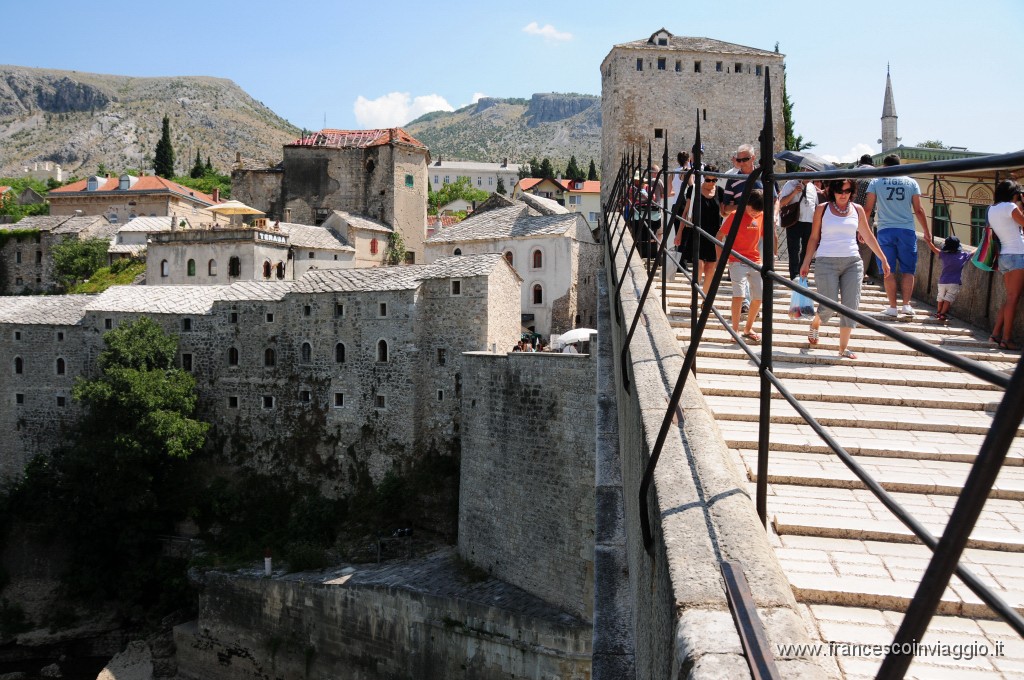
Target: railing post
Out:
[695,236]
[767,299]
[665,222]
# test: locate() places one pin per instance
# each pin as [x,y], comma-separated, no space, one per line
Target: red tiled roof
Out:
[147,184]
[441,221]
[343,139]
[589,186]
[528,183]
[4,190]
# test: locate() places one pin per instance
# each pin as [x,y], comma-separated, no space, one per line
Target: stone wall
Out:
[26,262]
[527,479]
[261,189]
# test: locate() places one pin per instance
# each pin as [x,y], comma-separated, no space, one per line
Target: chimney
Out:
[174,221]
[216,194]
[238,157]
[504,162]
[287,215]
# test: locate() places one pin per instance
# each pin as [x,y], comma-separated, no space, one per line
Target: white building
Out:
[484,176]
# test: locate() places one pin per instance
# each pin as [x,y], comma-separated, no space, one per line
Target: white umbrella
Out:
[234,208]
[575,335]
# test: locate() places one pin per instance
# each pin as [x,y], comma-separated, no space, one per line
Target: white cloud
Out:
[547,31]
[396,108]
[852,155]
[477,96]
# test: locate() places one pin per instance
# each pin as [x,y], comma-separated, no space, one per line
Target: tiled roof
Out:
[4,190]
[146,184]
[360,222]
[64,310]
[358,139]
[132,249]
[527,183]
[182,299]
[87,226]
[405,277]
[307,236]
[693,44]
[501,223]
[441,221]
[151,224]
[543,206]
[40,222]
[590,186]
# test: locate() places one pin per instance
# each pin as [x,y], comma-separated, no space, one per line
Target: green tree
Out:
[547,170]
[197,168]
[207,182]
[75,260]
[121,482]
[209,165]
[460,188]
[163,163]
[592,172]
[932,144]
[532,168]
[573,171]
[501,186]
[794,142]
[395,253]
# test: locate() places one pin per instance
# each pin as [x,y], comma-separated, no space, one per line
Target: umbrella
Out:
[575,335]
[234,208]
[804,159]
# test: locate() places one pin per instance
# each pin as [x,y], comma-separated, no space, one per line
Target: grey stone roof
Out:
[308,236]
[40,222]
[695,44]
[501,223]
[360,222]
[541,205]
[405,277]
[133,249]
[182,299]
[26,310]
[87,226]
[151,224]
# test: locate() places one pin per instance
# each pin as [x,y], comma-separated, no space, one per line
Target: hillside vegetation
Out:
[82,120]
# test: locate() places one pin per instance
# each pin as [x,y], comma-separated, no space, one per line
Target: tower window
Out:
[661,63]
[382,351]
[640,64]
[738,68]
[659,133]
[696,67]
[679,65]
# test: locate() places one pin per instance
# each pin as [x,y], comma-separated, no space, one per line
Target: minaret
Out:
[889,139]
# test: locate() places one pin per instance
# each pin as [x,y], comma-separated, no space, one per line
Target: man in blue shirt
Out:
[897,201]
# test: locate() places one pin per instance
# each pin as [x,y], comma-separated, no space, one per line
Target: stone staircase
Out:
[916,425]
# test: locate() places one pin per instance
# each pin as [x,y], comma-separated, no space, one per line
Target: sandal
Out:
[1007,344]
[940,317]
[812,336]
[847,354]
[995,339]
[753,337]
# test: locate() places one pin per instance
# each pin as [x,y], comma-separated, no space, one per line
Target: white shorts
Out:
[948,292]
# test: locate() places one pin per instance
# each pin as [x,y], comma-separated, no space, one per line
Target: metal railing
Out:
[948,549]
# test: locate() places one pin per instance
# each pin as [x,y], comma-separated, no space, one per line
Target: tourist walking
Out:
[838,269]
[710,197]
[746,280]
[898,202]
[1006,220]
[797,236]
[953,258]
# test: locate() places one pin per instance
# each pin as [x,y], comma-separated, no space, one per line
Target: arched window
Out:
[234,267]
[457,251]
[306,353]
[339,353]
[266,269]
[538,294]
[373,246]
[509,258]
[191,267]
[232,356]
[60,366]
[538,259]
[165,269]
[280,270]
[382,351]
[269,357]
[211,268]
[19,365]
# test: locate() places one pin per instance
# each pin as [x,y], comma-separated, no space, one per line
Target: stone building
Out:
[484,176]
[378,174]
[123,198]
[26,248]
[343,373]
[552,249]
[654,89]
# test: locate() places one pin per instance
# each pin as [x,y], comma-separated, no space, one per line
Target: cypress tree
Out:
[592,173]
[163,163]
[197,167]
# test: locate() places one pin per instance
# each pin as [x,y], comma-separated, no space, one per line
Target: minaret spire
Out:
[889,139]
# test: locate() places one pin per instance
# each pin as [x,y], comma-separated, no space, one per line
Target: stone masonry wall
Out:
[34,272]
[526,511]
[260,189]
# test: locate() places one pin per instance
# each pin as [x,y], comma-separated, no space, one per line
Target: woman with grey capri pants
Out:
[838,269]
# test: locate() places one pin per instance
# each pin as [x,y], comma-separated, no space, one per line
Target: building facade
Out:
[483,176]
[26,249]
[124,198]
[653,91]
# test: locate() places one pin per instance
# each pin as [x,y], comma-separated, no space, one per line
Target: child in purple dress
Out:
[953,259]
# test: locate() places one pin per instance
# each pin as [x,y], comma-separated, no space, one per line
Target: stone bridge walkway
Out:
[916,425]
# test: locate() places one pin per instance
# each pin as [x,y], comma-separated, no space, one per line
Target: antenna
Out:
[325,120]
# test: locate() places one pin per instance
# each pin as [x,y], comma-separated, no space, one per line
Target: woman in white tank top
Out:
[1006,220]
[838,269]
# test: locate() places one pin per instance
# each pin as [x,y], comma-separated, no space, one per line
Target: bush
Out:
[75,260]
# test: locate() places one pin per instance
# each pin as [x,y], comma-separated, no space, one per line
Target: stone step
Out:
[848,372]
[894,474]
[923,446]
[881,417]
[857,514]
[856,393]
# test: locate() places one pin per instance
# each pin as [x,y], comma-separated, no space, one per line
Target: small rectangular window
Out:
[268,401]
[410,257]
[60,336]
[232,402]
[738,68]
[640,64]
[19,398]
[663,41]
[339,310]
[456,287]
[696,67]
[378,401]
[307,310]
[440,395]
[383,309]
[17,335]
[757,70]
[186,324]
[339,399]
[718,66]
[108,324]
[409,181]
[233,317]
[39,257]
[305,396]
[270,317]
[62,401]
[661,63]
[679,65]
[658,133]
[17,257]
[442,356]
[186,362]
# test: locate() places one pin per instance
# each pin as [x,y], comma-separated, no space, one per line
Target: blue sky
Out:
[955,75]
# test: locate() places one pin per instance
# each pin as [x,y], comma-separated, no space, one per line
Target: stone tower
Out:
[889,139]
[654,89]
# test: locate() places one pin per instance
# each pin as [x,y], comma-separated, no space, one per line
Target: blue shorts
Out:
[1011,262]
[899,245]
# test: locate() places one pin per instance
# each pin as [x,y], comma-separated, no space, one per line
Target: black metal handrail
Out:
[948,549]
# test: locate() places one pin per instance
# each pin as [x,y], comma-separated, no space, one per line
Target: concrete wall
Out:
[251,254]
[981,295]
[527,478]
[251,628]
[700,512]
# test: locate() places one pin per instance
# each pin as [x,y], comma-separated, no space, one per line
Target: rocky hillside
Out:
[83,119]
[555,126]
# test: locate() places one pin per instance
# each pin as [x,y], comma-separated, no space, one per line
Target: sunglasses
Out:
[843,191]
[744,159]
[710,180]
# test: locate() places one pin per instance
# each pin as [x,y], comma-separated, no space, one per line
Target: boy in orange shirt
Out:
[744,276]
